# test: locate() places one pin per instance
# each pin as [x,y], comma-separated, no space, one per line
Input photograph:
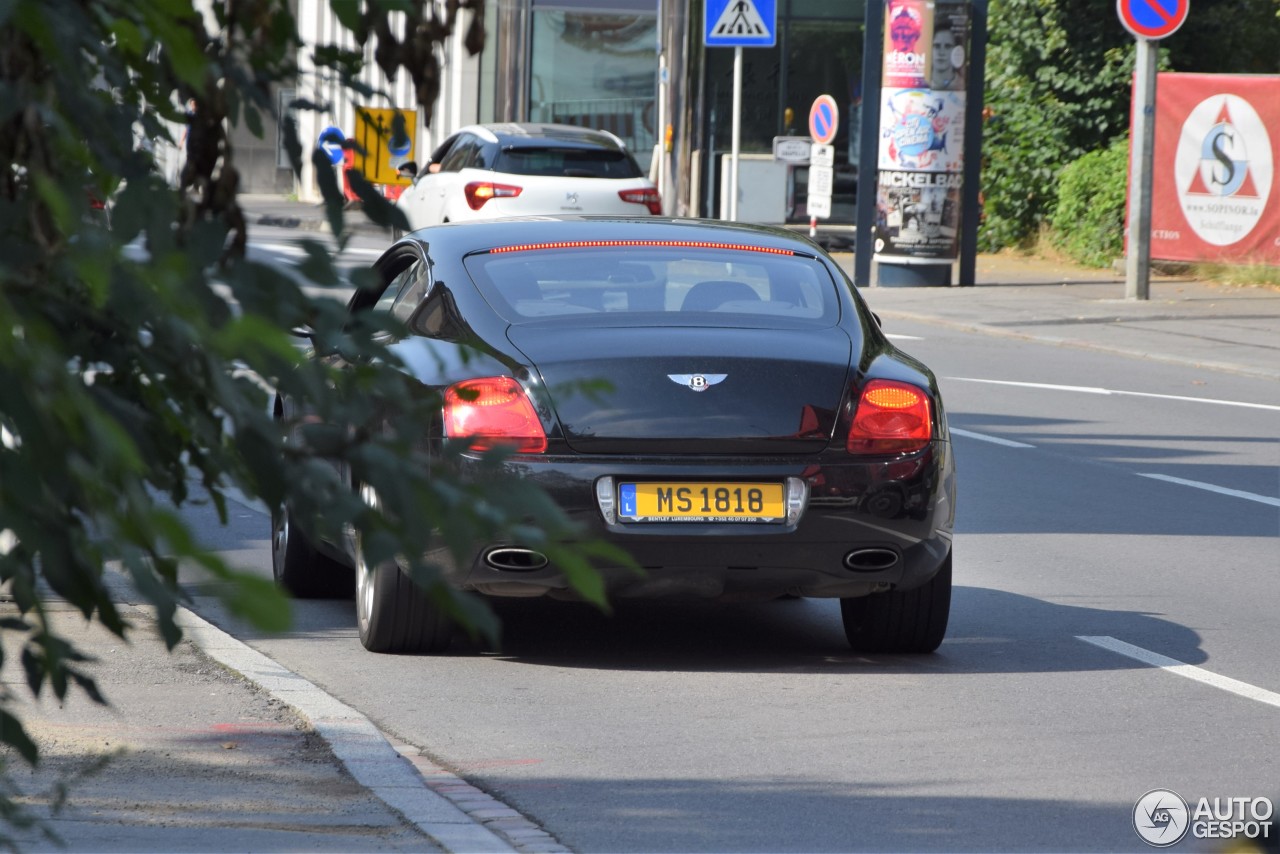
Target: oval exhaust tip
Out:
[510,559]
[871,560]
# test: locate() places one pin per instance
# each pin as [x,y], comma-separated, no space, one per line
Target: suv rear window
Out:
[568,162]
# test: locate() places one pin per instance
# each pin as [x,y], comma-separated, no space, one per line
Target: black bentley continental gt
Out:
[758,434]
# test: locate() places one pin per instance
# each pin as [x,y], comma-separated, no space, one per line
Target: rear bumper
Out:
[898,513]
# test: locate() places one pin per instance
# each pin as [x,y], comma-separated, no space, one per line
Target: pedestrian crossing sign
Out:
[741,23]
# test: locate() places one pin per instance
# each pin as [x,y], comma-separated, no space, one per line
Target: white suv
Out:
[493,171]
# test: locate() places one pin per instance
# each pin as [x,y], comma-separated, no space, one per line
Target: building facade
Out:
[638,68]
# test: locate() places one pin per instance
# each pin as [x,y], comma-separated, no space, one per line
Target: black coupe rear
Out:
[752,432]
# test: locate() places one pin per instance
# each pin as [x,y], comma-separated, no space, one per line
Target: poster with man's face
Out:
[908,35]
[948,56]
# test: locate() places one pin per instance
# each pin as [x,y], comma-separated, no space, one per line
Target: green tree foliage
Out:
[1227,37]
[1059,78]
[1088,222]
[135,381]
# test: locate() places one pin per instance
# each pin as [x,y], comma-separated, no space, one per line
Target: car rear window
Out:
[636,285]
[567,162]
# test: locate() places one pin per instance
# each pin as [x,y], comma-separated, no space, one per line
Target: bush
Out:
[1088,222]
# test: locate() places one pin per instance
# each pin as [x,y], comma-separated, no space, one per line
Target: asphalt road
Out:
[1095,531]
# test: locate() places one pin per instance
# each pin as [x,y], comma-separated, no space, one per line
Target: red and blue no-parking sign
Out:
[824,119]
[1152,19]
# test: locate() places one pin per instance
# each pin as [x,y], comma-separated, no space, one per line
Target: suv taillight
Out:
[493,411]
[648,197]
[479,192]
[891,418]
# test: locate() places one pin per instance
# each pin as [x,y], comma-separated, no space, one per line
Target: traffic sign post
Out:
[330,142]
[1152,19]
[384,147]
[738,24]
[741,23]
[824,120]
[824,123]
[791,149]
[1147,20]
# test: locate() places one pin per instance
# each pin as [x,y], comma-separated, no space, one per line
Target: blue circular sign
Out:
[1152,19]
[331,139]
[399,147]
[824,119]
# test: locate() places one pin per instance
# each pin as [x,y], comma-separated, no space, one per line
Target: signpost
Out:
[330,142]
[384,149]
[824,119]
[824,123]
[791,149]
[1148,21]
[738,24]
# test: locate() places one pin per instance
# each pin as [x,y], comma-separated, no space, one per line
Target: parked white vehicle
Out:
[503,170]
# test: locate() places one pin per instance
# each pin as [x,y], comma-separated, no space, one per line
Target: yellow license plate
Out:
[701,502]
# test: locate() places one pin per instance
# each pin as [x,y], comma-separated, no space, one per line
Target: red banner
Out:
[1214,190]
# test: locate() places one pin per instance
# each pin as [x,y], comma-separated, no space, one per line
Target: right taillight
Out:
[891,418]
[647,196]
[479,192]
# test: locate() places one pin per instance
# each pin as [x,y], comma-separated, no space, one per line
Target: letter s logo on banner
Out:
[1223,169]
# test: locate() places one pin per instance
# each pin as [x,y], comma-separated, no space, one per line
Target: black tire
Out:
[913,621]
[300,569]
[396,233]
[394,615]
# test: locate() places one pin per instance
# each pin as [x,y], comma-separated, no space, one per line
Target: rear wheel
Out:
[300,568]
[395,615]
[900,621]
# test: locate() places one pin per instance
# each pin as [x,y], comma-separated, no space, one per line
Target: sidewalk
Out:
[1184,321]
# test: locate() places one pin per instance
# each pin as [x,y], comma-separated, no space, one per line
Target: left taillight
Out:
[493,411]
[646,196]
[479,192]
[891,418]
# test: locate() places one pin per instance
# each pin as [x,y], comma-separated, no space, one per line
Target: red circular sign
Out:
[824,119]
[1152,19]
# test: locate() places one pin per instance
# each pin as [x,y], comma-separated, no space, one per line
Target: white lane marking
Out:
[1080,389]
[290,249]
[896,337]
[1221,490]
[1172,665]
[995,440]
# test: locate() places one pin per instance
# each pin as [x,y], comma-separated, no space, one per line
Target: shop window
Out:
[596,70]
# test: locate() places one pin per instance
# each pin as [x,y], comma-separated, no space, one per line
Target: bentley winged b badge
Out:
[697,382]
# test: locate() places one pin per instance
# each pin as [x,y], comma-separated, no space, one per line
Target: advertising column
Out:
[921,152]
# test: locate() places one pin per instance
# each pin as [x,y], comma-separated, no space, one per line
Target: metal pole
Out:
[737,134]
[1137,280]
[975,86]
[868,143]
